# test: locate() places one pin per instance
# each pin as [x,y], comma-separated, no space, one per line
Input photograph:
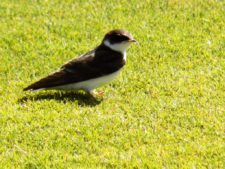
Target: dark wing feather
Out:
[93,64]
[54,79]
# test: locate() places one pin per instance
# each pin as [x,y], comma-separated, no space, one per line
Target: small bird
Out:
[92,69]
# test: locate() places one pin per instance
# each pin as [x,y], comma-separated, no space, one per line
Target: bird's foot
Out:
[96,94]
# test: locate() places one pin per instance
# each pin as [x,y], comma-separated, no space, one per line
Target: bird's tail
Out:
[33,87]
[54,79]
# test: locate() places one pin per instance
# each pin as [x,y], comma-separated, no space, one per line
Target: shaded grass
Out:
[166,109]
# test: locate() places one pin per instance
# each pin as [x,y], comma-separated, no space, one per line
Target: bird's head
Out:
[118,40]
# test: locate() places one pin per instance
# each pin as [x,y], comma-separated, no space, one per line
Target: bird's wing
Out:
[83,68]
[54,79]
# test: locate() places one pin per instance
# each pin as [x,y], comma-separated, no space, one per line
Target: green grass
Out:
[165,110]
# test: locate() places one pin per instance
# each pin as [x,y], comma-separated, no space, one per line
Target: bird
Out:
[92,69]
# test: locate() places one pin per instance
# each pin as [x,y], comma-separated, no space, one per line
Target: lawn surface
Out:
[165,110]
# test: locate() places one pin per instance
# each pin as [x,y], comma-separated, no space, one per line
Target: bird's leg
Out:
[101,93]
[93,93]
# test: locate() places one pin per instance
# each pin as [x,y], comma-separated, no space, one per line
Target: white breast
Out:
[91,84]
[125,56]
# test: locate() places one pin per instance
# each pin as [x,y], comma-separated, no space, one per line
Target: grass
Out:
[165,110]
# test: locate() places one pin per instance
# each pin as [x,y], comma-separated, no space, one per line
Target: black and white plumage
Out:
[93,69]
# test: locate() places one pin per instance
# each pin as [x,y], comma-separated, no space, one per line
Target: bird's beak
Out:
[132,40]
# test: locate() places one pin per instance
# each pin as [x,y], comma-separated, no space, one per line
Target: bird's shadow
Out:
[82,98]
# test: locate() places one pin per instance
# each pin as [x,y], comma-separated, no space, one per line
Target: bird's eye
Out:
[116,38]
[122,37]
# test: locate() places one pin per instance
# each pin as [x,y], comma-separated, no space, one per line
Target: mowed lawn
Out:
[165,110]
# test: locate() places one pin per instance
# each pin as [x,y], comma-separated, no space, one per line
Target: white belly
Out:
[89,85]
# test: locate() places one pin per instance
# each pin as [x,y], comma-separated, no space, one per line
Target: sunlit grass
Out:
[165,110]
